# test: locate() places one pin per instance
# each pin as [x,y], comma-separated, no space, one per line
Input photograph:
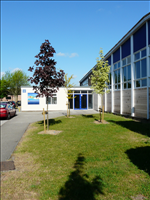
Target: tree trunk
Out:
[47,116]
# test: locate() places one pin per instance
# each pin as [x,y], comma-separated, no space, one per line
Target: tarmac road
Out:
[12,130]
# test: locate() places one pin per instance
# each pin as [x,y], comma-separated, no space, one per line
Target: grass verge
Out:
[86,161]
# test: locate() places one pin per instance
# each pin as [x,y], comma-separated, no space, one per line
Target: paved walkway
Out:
[13,129]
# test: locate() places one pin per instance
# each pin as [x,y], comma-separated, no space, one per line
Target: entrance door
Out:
[80,101]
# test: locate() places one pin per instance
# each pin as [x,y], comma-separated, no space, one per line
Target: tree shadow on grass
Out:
[51,122]
[88,116]
[78,187]
[140,157]
[142,128]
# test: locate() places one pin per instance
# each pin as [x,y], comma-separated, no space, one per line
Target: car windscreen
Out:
[2,105]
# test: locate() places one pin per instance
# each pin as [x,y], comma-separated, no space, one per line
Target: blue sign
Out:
[24,91]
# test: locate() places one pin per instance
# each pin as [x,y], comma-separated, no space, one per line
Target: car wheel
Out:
[8,117]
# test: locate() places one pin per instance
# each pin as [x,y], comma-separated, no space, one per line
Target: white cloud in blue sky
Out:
[67,54]
[75,29]
[73,55]
[61,54]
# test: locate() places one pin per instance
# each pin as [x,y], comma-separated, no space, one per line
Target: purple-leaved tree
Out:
[45,77]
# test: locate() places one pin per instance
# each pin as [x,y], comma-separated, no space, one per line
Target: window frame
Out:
[51,99]
[140,79]
[127,68]
[116,85]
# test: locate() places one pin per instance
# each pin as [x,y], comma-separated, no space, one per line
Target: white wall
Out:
[61,100]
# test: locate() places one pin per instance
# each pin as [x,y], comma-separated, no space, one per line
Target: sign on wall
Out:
[32,99]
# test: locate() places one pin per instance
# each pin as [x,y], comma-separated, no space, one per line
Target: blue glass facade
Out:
[109,60]
[149,32]
[139,38]
[126,49]
[116,56]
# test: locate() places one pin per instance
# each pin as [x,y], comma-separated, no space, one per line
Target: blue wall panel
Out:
[109,60]
[126,50]
[116,56]
[149,32]
[139,39]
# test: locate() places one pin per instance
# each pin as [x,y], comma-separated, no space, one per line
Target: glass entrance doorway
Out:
[80,101]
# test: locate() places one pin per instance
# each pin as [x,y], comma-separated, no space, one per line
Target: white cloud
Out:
[16,69]
[61,54]
[73,55]
[67,55]
[1,74]
[74,76]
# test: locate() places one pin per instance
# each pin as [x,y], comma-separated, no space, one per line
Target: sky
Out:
[76,30]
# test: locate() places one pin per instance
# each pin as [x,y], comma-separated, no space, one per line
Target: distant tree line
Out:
[11,82]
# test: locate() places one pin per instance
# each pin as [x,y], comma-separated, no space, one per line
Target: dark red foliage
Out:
[46,78]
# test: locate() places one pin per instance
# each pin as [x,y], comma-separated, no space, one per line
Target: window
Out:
[85,82]
[140,67]
[90,101]
[71,101]
[76,91]
[52,100]
[117,75]
[126,73]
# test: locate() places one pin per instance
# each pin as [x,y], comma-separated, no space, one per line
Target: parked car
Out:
[13,103]
[18,103]
[7,110]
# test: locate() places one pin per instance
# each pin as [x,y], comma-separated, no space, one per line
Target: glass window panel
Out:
[118,64]
[115,86]
[54,100]
[90,101]
[144,82]
[90,91]
[124,74]
[115,66]
[129,85]
[137,56]
[85,83]
[144,70]
[124,62]
[77,91]
[129,72]
[83,91]
[115,76]
[71,103]
[77,101]
[129,60]
[125,85]
[118,86]
[119,76]
[49,100]
[137,83]
[137,69]
[143,53]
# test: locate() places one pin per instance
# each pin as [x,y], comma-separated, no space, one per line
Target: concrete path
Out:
[12,130]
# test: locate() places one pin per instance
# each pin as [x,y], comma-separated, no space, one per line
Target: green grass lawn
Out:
[86,161]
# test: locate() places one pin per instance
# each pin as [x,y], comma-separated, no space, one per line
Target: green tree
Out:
[68,90]
[100,77]
[14,81]
[4,91]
